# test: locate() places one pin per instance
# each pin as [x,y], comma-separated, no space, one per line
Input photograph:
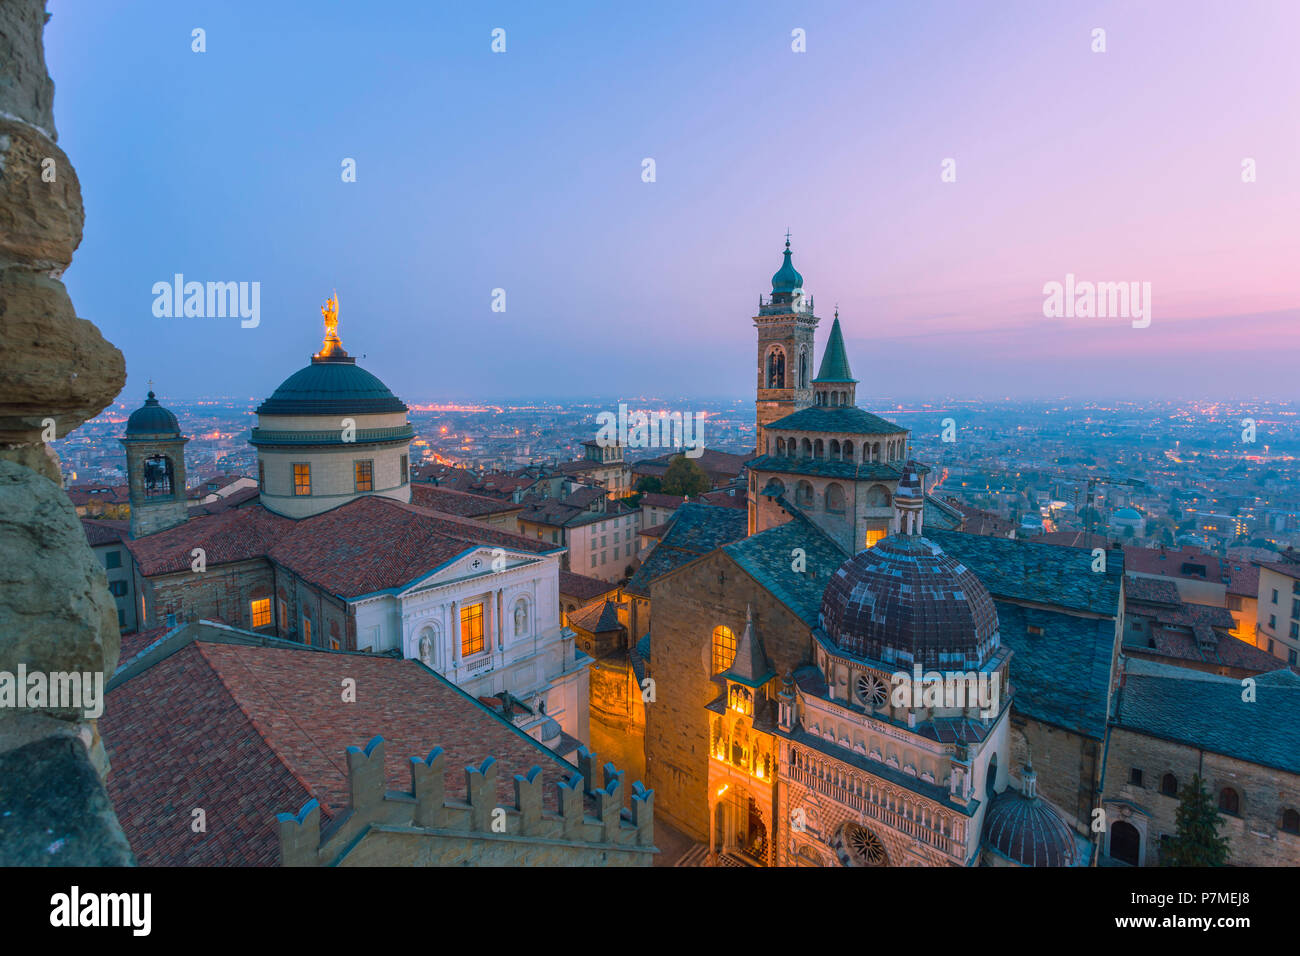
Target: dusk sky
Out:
[523,171]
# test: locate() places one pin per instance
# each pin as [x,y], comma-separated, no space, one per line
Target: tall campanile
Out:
[786,325]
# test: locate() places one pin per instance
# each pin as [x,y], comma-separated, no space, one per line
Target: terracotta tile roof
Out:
[1187,562]
[727,497]
[1151,590]
[248,732]
[1073,539]
[979,521]
[583,588]
[377,544]
[461,503]
[104,530]
[238,534]
[133,644]
[654,499]
[233,500]
[1289,568]
[369,544]
[109,494]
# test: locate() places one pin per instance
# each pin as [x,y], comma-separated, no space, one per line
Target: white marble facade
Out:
[524,650]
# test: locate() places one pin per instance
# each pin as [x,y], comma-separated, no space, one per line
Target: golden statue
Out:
[332,344]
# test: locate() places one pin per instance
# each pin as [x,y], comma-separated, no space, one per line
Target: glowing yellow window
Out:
[471,630]
[261,612]
[724,648]
[363,474]
[302,479]
[873,537]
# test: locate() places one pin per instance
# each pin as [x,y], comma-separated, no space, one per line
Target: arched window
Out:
[835,448]
[776,368]
[774,487]
[803,368]
[835,498]
[848,451]
[780,446]
[819,449]
[877,496]
[803,495]
[805,448]
[1229,801]
[875,452]
[1291,821]
[1169,785]
[724,648]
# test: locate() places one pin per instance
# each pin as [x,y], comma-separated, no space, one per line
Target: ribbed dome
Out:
[1027,831]
[331,387]
[786,278]
[152,419]
[904,601]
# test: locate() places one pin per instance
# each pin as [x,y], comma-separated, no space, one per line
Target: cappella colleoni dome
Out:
[905,602]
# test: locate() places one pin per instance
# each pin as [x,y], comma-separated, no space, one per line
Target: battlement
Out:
[426,827]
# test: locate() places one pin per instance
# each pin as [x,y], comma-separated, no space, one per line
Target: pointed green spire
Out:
[835,361]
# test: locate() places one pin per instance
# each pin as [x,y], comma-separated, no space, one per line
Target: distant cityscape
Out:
[1151,473]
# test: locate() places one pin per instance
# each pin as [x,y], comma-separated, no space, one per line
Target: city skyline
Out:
[514,171]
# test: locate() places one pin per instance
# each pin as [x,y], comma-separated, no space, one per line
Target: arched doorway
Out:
[1125,842]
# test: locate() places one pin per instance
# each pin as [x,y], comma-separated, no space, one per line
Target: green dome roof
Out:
[152,419]
[331,386]
[786,278]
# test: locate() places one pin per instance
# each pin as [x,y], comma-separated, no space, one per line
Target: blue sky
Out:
[522,171]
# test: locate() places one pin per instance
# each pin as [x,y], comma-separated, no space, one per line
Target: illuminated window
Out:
[302,479]
[471,630]
[363,475]
[306,630]
[874,537]
[724,648]
[261,609]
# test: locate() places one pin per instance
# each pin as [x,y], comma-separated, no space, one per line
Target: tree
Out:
[650,483]
[1197,842]
[685,478]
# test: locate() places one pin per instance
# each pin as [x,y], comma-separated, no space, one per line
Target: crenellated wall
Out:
[427,827]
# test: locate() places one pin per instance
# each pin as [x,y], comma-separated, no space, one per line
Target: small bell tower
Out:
[155,462]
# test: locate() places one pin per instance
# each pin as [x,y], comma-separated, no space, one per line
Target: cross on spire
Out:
[787,236]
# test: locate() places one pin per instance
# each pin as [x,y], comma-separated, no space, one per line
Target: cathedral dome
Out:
[786,278]
[152,419]
[1028,831]
[331,386]
[905,602]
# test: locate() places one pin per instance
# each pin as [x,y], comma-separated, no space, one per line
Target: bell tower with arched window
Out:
[155,462]
[786,326]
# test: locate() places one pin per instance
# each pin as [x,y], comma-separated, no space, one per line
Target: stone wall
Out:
[56,371]
[1068,766]
[1255,837]
[688,604]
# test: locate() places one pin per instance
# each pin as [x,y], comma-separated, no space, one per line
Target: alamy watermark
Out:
[61,690]
[652,430]
[1102,300]
[948,689]
[212,300]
